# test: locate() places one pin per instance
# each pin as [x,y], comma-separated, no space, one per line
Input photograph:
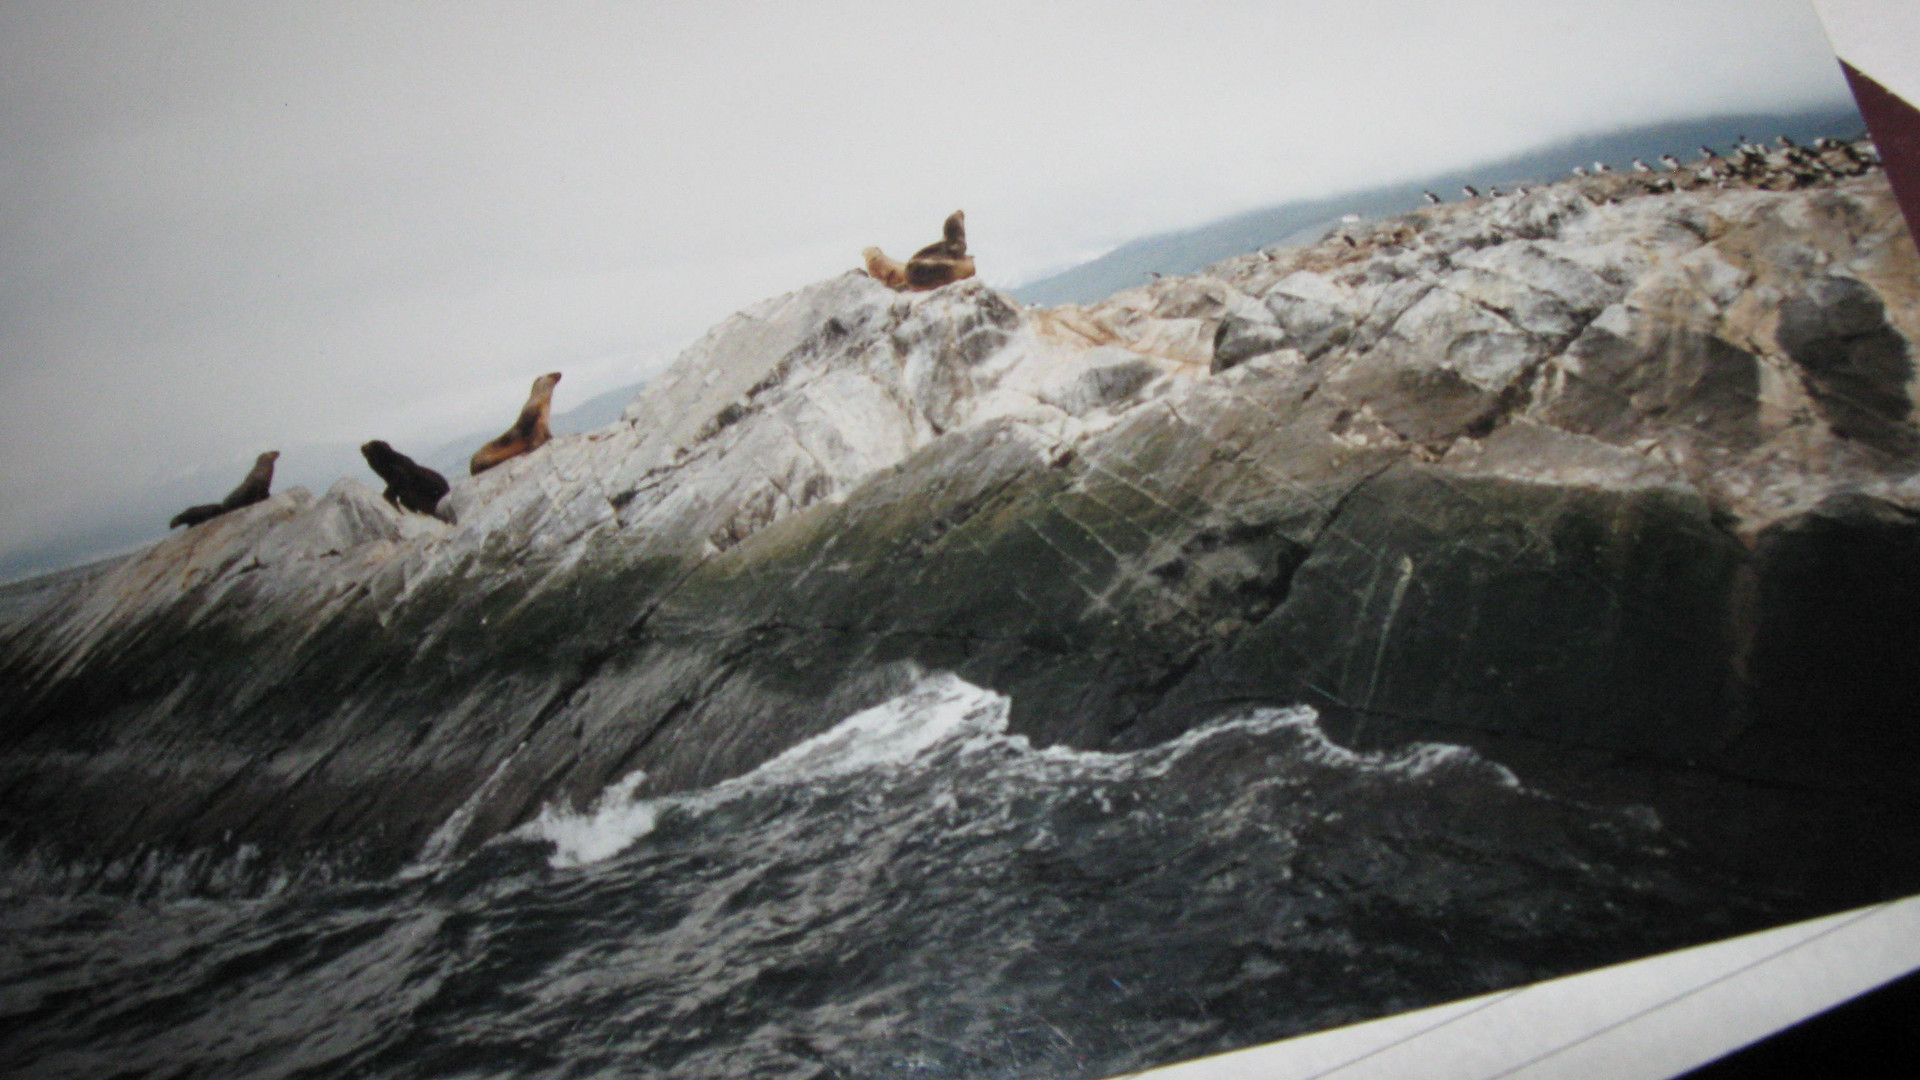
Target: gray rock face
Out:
[1595,486]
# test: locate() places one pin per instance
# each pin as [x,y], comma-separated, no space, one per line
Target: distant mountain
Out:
[1294,223]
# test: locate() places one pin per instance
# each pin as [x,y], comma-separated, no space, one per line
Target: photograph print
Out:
[872,540]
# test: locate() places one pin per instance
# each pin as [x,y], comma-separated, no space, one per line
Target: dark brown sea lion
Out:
[410,485]
[884,270]
[251,490]
[940,263]
[953,243]
[527,433]
[935,271]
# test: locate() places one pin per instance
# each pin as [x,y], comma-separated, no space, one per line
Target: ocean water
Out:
[914,893]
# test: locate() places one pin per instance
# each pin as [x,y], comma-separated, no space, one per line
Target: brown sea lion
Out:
[935,271]
[953,242]
[884,270]
[410,485]
[251,490]
[527,434]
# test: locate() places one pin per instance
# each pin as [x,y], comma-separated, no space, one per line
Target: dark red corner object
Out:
[1895,126]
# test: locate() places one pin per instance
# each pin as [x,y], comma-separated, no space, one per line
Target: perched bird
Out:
[1784,141]
[1579,170]
[1494,191]
[1707,154]
[1672,163]
[1522,190]
[1641,166]
[1601,167]
[1469,191]
[1431,197]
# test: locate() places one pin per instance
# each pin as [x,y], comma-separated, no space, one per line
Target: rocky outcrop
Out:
[1596,479]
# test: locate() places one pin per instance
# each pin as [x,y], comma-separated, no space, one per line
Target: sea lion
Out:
[410,485]
[933,272]
[884,270]
[251,490]
[953,242]
[527,434]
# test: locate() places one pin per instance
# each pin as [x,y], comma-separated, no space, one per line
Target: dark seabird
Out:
[1672,163]
[1469,191]
[1495,191]
[1601,167]
[1431,197]
[1707,153]
[1641,166]
[1784,141]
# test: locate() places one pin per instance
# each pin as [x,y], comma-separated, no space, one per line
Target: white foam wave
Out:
[1412,761]
[944,714]
[609,827]
[942,711]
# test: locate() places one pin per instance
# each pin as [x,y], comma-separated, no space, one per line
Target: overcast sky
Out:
[232,227]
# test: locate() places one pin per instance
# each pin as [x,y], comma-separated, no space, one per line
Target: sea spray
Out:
[941,712]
